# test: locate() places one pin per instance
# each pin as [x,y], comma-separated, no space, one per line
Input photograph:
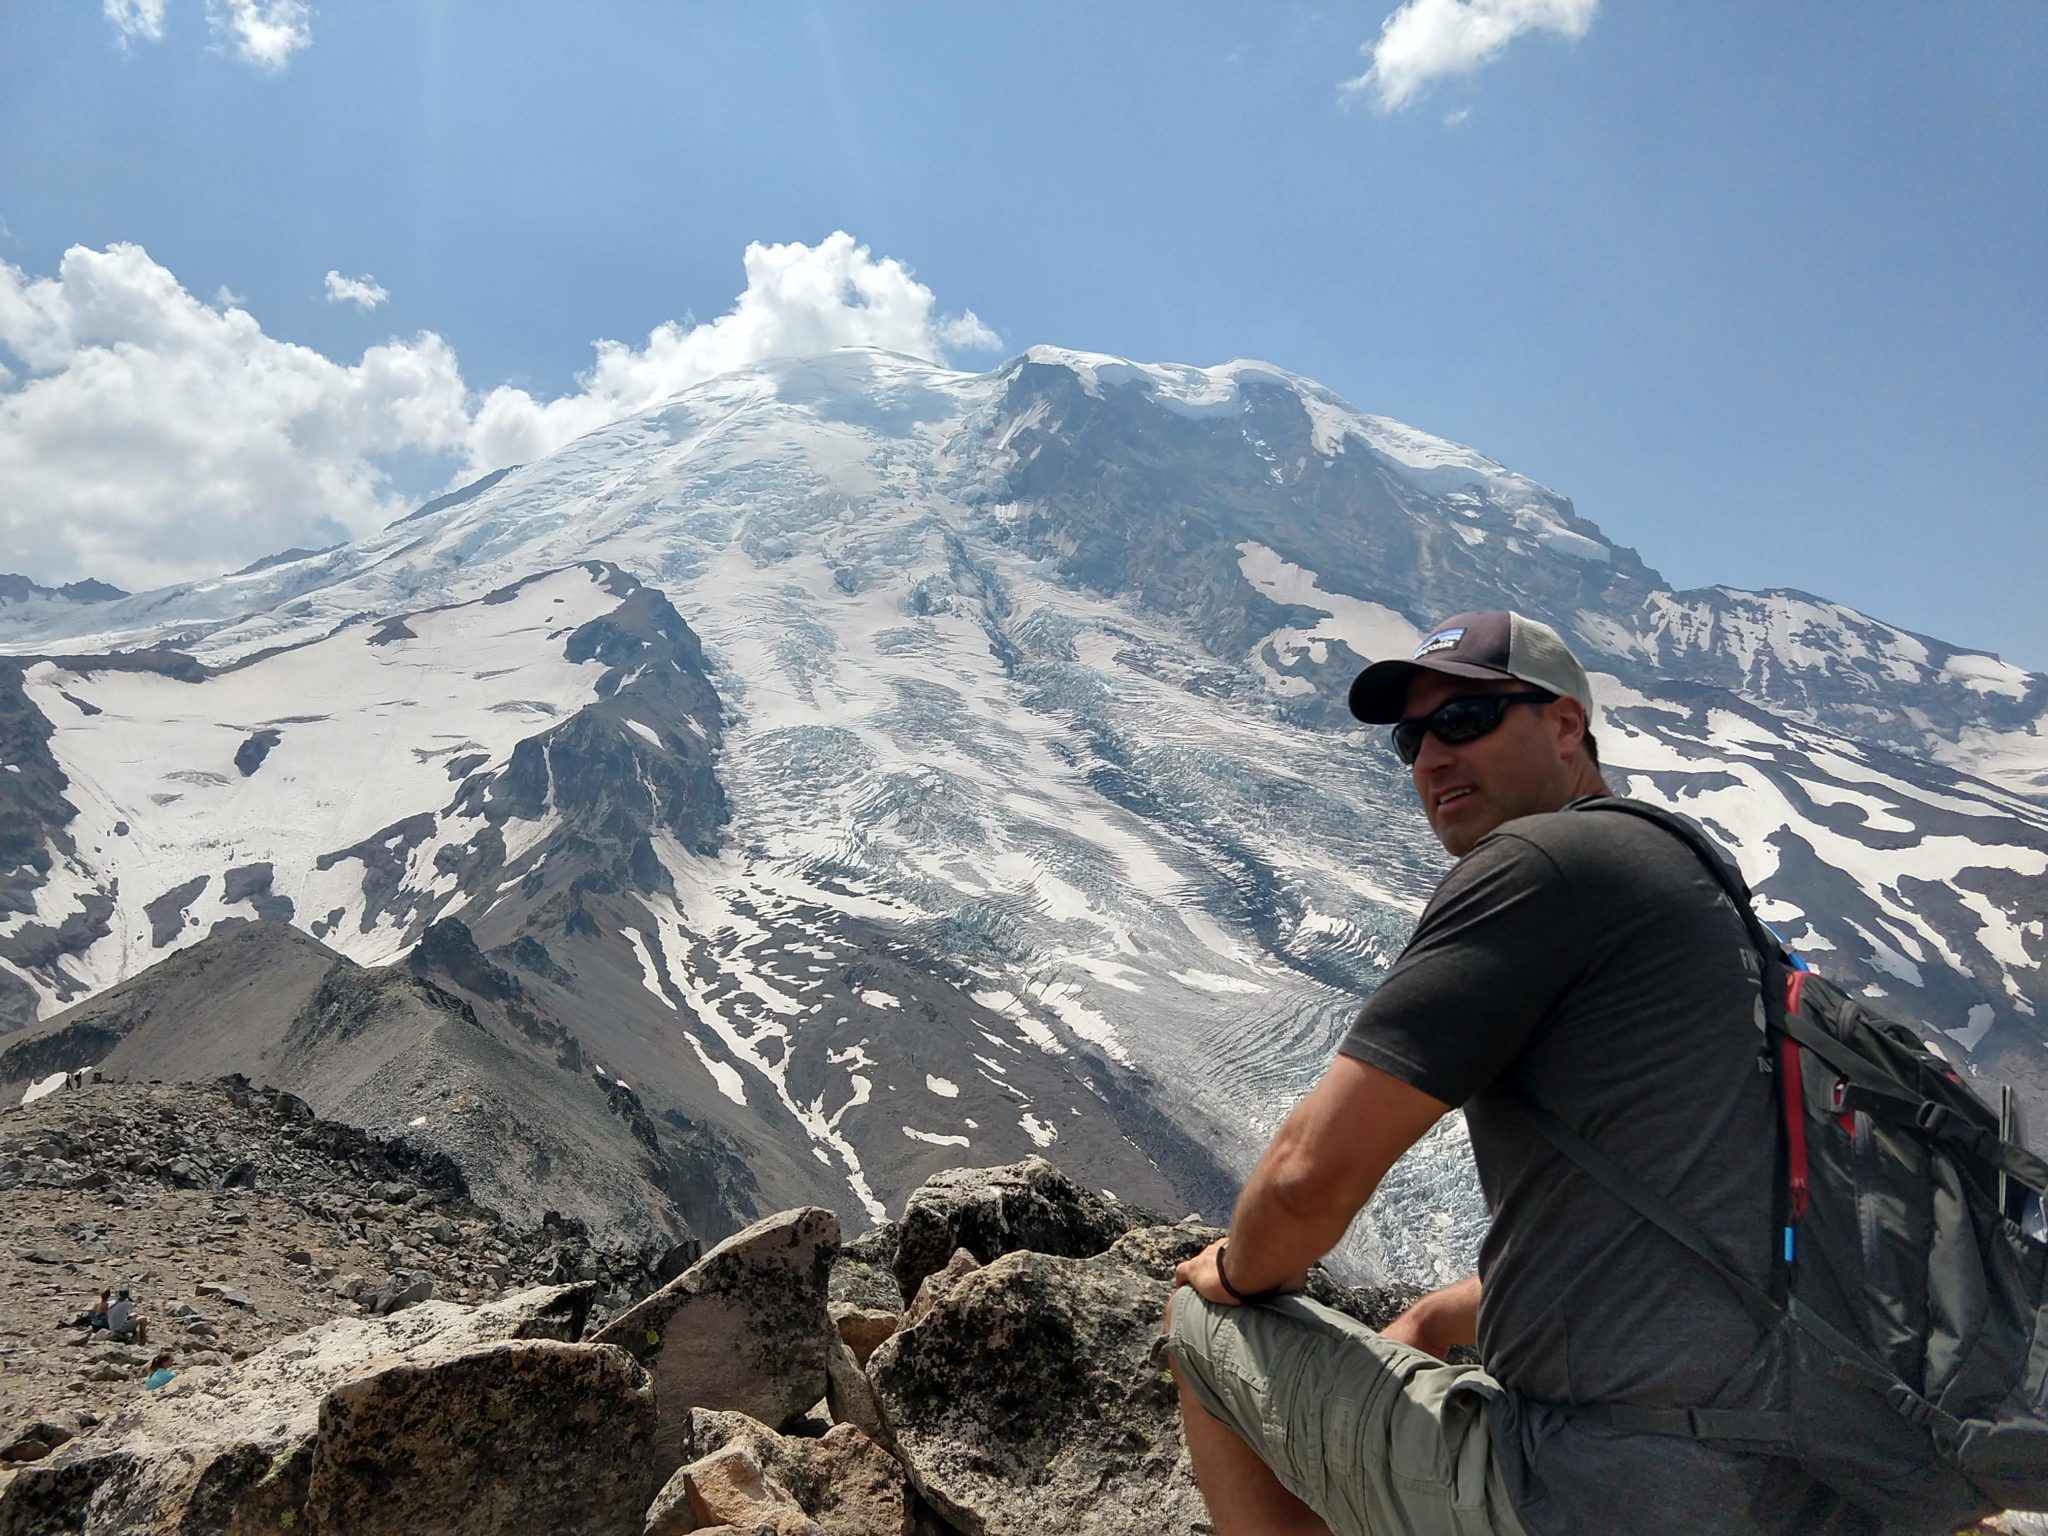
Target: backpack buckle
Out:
[1932,1117]
[1838,1096]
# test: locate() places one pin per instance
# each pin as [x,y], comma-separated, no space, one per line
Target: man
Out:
[1581,960]
[124,1322]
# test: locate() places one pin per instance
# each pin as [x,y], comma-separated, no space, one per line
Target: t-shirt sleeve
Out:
[1498,945]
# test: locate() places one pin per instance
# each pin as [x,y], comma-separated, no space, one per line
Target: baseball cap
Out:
[1492,645]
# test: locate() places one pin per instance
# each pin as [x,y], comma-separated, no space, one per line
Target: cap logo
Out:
[1442,640]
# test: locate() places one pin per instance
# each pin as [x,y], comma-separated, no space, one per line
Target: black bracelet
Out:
[1223,1278]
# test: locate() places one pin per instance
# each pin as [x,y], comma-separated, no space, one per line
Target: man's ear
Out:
[1571,723]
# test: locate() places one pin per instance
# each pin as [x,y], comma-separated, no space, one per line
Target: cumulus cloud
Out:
[265,33]
[1426,40]
[148,436]
[155,438]
[799,299]
[136,18]
[365,292]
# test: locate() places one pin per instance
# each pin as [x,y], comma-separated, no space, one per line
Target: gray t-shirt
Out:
[1587,961]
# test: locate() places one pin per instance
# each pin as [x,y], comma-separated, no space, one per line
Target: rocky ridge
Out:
[237,1217]
[783,1385]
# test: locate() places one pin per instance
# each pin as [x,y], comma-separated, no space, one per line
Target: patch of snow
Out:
[941,1087]
[937,1139]
[1210,981]
[877,999]
[1980,1020]
[44,1087]
[1040,1131]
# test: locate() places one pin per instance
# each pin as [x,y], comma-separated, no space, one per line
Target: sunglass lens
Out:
[1460,720]
[1465,719]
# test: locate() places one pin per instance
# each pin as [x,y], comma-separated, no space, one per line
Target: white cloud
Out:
[365,292]
[265,33]
[136,18]
[1426,40]
[155,438]
[799,299]
[149,436]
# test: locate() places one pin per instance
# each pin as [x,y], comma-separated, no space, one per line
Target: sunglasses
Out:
[1460,720]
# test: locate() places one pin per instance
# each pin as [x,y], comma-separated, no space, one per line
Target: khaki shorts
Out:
[1373,1436]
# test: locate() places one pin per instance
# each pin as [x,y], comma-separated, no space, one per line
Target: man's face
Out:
[1520,768]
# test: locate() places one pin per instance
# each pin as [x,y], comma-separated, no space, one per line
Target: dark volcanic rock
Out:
[250,754]
[167,913]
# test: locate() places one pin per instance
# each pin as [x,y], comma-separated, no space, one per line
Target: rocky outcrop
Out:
[1026,1401]
[237,1451]
[526,1436]
[994,1211]
[744,1328]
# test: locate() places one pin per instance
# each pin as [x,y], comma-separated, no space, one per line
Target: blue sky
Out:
[1760,287]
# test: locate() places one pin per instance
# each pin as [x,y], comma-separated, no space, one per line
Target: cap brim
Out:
[1380,692]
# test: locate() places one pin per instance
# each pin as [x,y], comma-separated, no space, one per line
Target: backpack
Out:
[1904,1342]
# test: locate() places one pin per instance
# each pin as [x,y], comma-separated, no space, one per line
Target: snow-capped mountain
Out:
[906,767]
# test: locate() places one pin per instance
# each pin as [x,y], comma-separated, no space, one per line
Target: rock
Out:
[219,1291]
[730,1487]
[849,1396]
[1026,1401]
[243,1438]
[351,1286]
[670,1513]
[199,1328]
[862,1275]
[846,1483]
[400,1291]
[994,1211]
[37,1440]
[298,1256]
[524,1438]
[1156,1250]
[939,1284]
[862,1327]
[743,1328]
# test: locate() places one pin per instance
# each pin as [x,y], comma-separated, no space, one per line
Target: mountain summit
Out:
[876,768]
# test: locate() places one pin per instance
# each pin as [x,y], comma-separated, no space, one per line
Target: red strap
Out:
[1792,1094]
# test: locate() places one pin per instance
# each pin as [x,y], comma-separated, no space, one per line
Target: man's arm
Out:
[1439,1322]
[1324,1164]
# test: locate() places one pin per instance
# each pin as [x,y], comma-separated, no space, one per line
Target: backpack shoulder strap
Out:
[1648,1204]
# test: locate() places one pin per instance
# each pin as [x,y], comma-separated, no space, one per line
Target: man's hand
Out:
[1202,1272]
[1439,1322]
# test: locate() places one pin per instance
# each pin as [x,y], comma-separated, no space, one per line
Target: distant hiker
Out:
[97,1317]
[1587,963]
[124,1322]
[160,1372]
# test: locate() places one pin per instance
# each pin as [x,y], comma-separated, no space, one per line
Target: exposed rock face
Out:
[530,1436]
[994,1211]
[235,1451]
[1026,1401]
[744,1328]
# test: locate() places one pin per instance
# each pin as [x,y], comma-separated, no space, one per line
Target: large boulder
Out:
[994,1211]
[232,1450]
[526,1438]
[1026,1401]
[744,1328]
